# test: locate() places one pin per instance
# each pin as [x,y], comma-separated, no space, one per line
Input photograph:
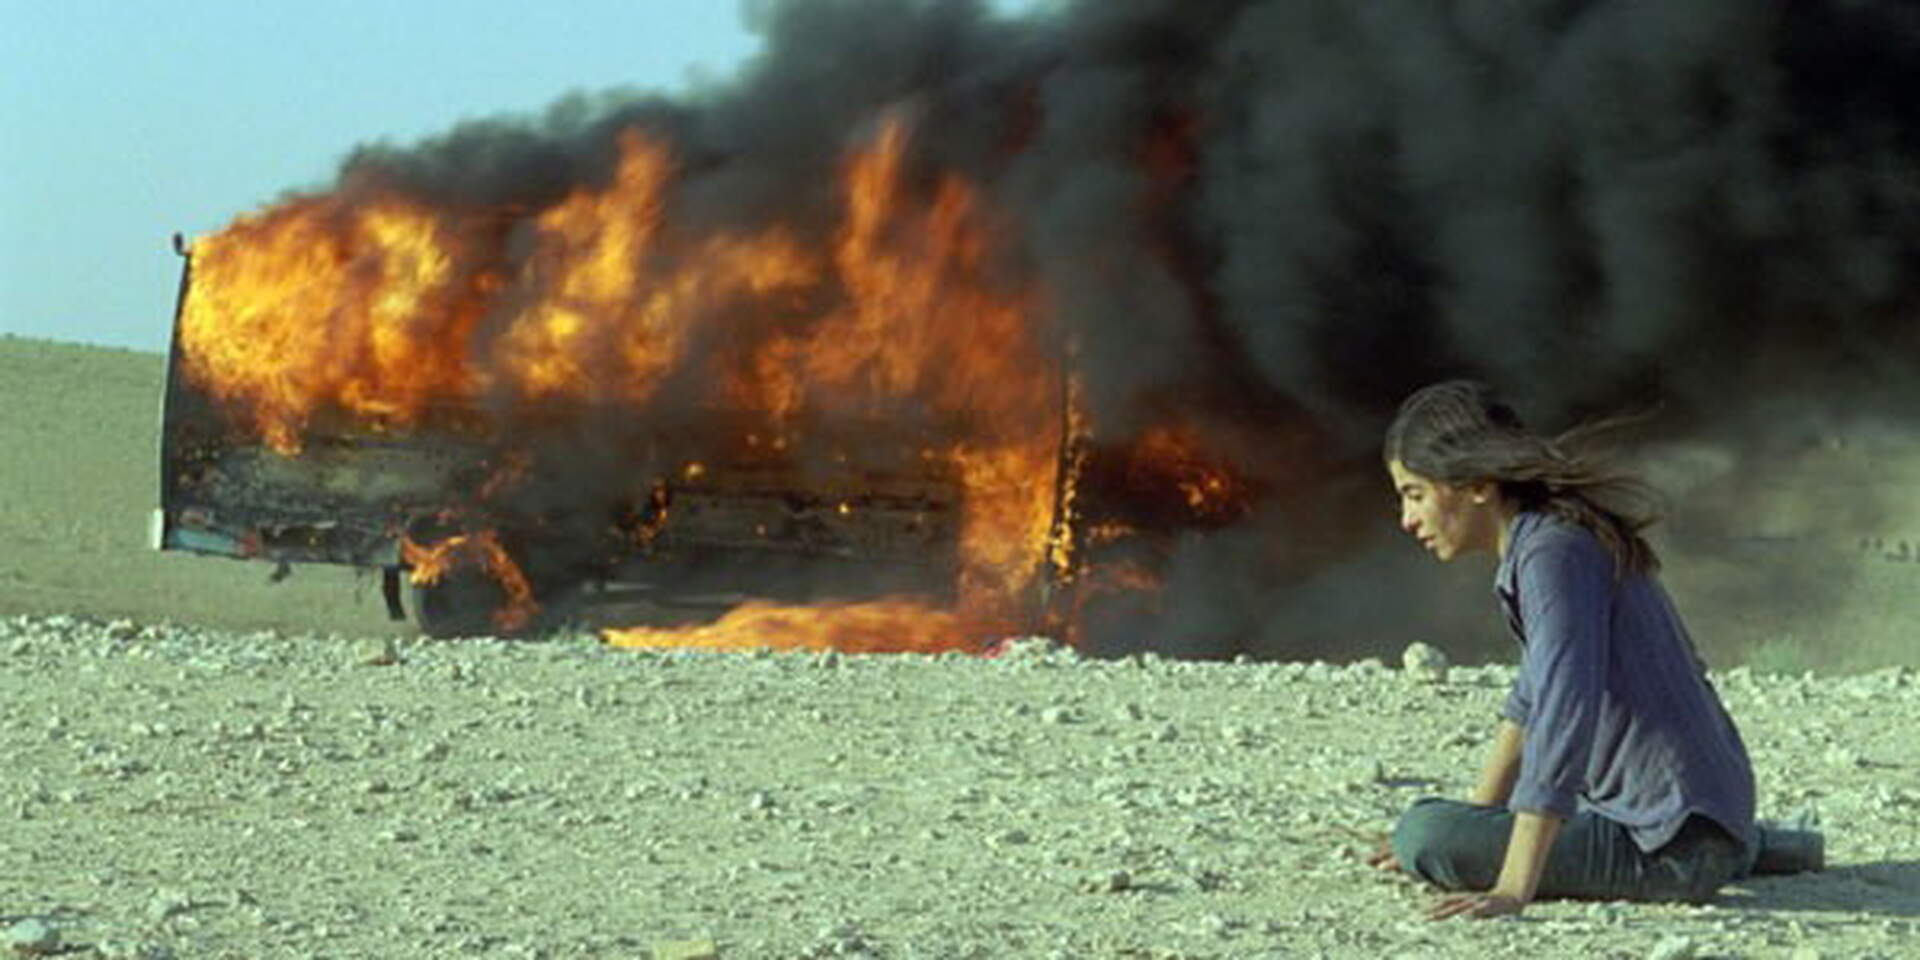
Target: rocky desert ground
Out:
[174,791]
[198,764]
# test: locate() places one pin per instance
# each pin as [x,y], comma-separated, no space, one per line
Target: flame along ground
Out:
[894,625]
[372,303]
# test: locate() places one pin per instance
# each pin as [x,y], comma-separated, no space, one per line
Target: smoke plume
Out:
[1272,219]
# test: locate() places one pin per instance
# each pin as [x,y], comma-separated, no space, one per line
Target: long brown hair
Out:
[1461,432]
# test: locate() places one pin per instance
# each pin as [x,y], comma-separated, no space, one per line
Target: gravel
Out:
[173,791]
[32,937]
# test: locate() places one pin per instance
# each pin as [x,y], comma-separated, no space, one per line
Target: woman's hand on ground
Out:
[1476,905]
[1382,858]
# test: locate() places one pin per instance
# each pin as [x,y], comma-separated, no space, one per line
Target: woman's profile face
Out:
[1447,519]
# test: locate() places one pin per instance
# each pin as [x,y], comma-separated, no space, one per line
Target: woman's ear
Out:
[1483,492]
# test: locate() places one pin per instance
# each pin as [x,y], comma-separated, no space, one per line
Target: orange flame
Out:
[432,564]
[371,306]
[610,310]
[879,626]
[317,302]
[924,321]
[1061,549]
[1175,456]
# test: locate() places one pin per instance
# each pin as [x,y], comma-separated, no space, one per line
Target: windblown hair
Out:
[1460,432]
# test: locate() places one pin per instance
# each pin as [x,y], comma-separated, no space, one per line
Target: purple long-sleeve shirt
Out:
[1619,716]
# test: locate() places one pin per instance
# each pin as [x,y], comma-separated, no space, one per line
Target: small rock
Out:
[1607,911]
[379,652]
[1030,651]
[686,950]
[131,950]
[843,940]
[121,631]
[1057,715]
[1366,773]
[1214,925]
[1106,881]
[1011,838]
[33,937]
[1674,948]
[1840,756]
[1424,663]
[167,904]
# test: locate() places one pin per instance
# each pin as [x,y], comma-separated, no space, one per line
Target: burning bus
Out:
[935,322]
[857,439]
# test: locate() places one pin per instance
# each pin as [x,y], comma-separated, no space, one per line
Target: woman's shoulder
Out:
[1543,540]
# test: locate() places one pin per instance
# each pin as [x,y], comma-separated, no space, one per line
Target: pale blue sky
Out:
[122,121]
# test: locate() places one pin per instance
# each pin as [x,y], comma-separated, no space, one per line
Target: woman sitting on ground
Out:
[1615,771]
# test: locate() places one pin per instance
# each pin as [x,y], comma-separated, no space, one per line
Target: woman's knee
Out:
[1415,831]
[1430,842]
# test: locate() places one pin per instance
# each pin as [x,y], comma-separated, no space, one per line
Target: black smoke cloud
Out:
[1278,217]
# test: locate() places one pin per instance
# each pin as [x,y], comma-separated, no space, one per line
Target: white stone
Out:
[1674,948]
[1424,663]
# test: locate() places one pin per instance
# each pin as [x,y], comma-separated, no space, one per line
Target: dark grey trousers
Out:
[1459,846]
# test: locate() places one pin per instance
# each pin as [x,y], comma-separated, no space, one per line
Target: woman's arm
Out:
[1565,593]
[1501,768]
[1533,835]
[1566,604]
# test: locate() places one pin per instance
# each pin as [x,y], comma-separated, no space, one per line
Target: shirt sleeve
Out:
[1566,598]
[1519,706]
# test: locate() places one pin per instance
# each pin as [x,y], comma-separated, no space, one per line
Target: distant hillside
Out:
[79,479]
